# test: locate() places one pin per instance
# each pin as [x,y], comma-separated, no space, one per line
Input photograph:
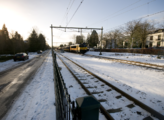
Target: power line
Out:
[67,10]
[117,11]
[70,8]
[137,19]
[75,12]
[133,8]
[127,10]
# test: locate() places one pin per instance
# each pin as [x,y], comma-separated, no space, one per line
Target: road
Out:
[12,82]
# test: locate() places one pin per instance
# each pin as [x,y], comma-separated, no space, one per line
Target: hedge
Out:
[141,51]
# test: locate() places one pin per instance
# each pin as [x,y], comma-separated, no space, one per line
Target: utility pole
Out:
[52,36]
[101,40]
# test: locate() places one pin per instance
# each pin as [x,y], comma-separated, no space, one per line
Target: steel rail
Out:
[137,102]
[103,110]
[147,65]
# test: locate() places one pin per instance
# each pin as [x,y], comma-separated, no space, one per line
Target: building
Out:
[79,39]
[110,44]
[156,39]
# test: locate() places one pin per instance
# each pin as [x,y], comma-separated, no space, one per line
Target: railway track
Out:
[142,64]
[115,104]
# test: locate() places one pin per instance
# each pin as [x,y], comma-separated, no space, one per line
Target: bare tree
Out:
[113,38]
[130,31]
[143,30]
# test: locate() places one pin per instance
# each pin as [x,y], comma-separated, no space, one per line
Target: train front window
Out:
[73,46]
[83,45]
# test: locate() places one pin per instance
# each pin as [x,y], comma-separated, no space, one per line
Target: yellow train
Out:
[79,48]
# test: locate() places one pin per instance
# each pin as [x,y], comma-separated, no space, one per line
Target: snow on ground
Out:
[143,84]
[74,88]
[10,63]
[37,100]
[131,56]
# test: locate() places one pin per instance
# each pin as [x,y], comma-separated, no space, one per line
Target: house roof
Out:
[157,31]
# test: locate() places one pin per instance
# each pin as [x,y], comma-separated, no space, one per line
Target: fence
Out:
[65,109]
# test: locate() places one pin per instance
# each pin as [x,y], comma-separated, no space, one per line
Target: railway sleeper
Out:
[119,96]
[130,106]
[96,92]
[102,100]
[114,110]
[153,113]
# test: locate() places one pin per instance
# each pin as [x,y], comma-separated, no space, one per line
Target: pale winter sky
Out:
[24,15]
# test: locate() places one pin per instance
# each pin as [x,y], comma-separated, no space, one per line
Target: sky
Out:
[25,15]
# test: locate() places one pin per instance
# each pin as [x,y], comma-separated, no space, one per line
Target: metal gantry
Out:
[78,28]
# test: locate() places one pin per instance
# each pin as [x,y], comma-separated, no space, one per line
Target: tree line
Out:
[132,35]
[12,43]
[91,40]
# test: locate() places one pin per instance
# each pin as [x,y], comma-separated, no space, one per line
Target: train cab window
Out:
[83,45]
[73,46]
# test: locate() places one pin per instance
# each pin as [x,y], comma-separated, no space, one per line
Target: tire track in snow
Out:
[34,103]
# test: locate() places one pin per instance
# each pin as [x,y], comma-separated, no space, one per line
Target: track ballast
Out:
[115,104]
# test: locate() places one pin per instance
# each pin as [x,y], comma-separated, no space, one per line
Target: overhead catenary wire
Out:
[73,14]
[125,11]
[65,15]
[117,11]
[133,9]
[113,13]
[67,10]
[137,19]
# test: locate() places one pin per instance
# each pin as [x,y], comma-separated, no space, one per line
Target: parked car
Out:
[20,56]
[39,51]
